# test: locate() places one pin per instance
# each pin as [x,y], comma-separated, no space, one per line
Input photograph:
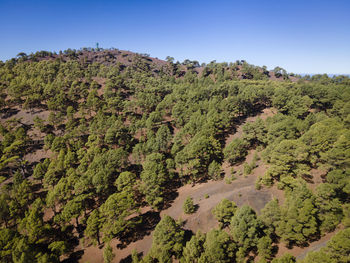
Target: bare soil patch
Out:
[38,155]
[27,116]
[318,177]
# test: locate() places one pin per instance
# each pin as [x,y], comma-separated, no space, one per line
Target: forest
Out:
[96,143]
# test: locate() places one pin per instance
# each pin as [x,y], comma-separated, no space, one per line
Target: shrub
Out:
[188,206]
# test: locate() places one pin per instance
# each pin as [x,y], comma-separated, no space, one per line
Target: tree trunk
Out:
[98,238]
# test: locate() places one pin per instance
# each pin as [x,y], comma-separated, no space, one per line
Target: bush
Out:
[247,169]
[188,206]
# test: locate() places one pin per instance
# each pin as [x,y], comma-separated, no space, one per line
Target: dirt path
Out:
[315,247]
[301,252]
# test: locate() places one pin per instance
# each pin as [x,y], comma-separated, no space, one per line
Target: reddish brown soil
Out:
[27,116]
[241,191]
[318,176]
[38,155]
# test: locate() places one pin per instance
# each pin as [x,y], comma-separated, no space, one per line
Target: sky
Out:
[302,36]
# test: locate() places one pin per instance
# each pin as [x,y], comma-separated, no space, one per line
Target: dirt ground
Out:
[318,177]
[26,116]
[300,252]
[241,191]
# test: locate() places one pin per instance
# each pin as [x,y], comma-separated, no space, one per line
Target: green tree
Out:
[22,252]
[153,178]
[108,254]
[126,180]
[255,132]
[236,151]
[265,247]
[340,181]
[40,169]
[194,248]
[93,101]
[197,155]
[163,138]
[224,211]
[168,239]
[32,225]
[188,206]
[320,138]
[339,155]
[72,210]
[218,247]
[286,258]
[271,215]
[329,207]
[299,216]
[287,159]
[102,170]
[346,213]
[114,213]
[4,208]
[93,226]
[338,248]
[317,257]
[215,170]
[246,228]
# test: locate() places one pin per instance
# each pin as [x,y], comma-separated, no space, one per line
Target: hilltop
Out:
[115,57]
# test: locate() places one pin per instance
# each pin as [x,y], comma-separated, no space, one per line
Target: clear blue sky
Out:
[306,36]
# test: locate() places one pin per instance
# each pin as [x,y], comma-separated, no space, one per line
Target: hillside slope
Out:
[99,147]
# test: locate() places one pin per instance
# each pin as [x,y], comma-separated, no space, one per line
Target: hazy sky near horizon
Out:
[306,36]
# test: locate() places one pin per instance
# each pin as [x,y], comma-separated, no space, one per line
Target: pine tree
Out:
[224,211]
[108,254]
[188,206]
[168,239]
[93,226]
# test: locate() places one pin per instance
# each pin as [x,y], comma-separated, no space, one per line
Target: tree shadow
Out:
[171,193]
[74,257]
[195,209]
[9,112]
[188,235]
[128,259]
[308,178]
[71,241]
[274,250]
[34,146]
[143,226]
